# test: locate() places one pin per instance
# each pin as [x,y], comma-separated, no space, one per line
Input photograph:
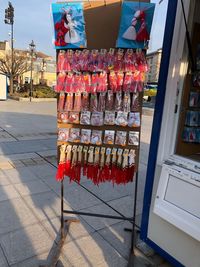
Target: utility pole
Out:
[32,50]
[9,19]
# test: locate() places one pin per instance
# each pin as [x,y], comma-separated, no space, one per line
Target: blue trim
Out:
[156,128]
[163,253]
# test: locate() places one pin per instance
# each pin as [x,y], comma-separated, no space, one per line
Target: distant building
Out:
[44,70]
[153,60]
[44,66]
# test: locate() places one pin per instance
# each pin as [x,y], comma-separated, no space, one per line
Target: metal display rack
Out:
[119,216]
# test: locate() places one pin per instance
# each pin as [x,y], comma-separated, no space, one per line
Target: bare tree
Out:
[21,64]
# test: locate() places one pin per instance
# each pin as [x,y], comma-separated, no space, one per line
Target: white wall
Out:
[175,242]
[3,93]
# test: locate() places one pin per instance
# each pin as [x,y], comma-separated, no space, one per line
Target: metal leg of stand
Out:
[62,208]
[134,214]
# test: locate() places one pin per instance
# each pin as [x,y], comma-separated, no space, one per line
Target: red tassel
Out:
[95,174]
[60,172]
[72,174]
[113,173]
[131,172]
[85,167]
[78,172]
[67,168]
[106,173]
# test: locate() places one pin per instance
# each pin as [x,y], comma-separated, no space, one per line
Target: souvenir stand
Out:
[100,93]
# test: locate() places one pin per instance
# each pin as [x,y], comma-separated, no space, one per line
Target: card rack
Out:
[115,128]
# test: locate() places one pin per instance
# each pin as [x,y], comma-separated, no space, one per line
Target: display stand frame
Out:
[67,220]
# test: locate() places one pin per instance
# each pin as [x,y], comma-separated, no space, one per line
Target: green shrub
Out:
[39,91]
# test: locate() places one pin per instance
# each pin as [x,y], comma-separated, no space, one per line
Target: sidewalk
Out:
[30,202]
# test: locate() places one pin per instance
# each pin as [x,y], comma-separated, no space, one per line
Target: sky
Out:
[33,22]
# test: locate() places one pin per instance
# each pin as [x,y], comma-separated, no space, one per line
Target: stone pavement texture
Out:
[30,198]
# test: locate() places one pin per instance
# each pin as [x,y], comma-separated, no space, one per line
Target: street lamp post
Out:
[9,19]
[32,50]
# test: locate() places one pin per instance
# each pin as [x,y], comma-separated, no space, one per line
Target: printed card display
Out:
[63,134]
[134,119]
[109,118]
[74,117]
[121,138]
[133,138]
[109,137]
[97,118]
[122,118]
[85,136]
[69,25]
[85,117]
[135,25]
[74,135]
[96,138]
[63,117]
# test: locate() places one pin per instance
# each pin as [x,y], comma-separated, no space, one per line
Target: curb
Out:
[27,99]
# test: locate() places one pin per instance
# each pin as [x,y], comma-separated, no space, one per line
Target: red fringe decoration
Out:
[60,172]
[95,174]
[78,172]
[68,168]
[130,174]
[106,173]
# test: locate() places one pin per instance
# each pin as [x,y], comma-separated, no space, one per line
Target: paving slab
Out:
[16,214]
[27,146]
[31,187]
[5,165]
[17,156]
[118,238]
[3,261]
[44,170]
[100,223]
[8,192]
[105,191]
[91,251]
[20,175]
[78,198]
[56,186]
[16,164]
[45,205]
[52,152]
[63,262]
[44,259]
[25,243]
[76,229]
[125,206]
[3,179]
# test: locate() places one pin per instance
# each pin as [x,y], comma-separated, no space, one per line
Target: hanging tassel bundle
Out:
[78,165]
[90,163]
[119,166]
[131,165]
[125,167]
[96,166]
[114,165]
[61,101]
[68,160]
[61,166]
[73,164]
[85,157]
[101,165]
[106,172]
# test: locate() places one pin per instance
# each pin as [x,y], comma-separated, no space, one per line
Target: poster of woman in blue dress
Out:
[135,24]
[69,25]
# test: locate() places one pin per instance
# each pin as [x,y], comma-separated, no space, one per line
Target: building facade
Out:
[44,66]
[153,60]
